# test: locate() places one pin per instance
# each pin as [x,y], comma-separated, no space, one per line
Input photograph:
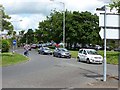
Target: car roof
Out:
[86,49]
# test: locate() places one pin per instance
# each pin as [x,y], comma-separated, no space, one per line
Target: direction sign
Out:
[112,20]
[14,42]
[110,33]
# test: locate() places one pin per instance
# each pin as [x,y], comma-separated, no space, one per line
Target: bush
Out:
[5,46]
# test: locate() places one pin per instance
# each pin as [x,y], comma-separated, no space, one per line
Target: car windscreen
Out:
[46,49]
[64,50]
[92,52]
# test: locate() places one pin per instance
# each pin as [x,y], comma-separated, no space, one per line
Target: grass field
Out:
[11,59]
[112,57]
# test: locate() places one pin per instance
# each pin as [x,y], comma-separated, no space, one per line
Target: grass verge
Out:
[11,59]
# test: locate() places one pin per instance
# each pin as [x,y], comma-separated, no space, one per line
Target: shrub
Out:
[5,46]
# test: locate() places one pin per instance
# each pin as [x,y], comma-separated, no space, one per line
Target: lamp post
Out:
[15,41]
[63,22]
[15,21]
[104,65]
[1,15]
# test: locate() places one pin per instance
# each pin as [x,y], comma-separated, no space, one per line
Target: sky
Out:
[31,12]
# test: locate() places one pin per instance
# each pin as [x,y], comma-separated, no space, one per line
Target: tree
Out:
[30,36]
[80,28]
[116,5]
[6,24]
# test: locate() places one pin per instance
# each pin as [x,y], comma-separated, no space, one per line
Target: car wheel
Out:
[88,61]
[69,56]
[53,55]
[42,53]
[59,55]
[38,52]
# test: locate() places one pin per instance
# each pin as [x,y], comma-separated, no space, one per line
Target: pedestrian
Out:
[26,49]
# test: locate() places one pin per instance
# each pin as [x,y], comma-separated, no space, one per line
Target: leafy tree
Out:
[81,28]
[29,36]
[6,24]
[116,5]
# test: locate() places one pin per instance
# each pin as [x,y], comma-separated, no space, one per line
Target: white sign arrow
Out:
[110,33]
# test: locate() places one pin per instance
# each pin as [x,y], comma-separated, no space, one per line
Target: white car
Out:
[89,56]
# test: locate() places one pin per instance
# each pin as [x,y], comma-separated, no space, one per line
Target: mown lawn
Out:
[112,57]
[7,59]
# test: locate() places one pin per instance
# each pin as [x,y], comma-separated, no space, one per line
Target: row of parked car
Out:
[96,47]
[87,55]
[58,52]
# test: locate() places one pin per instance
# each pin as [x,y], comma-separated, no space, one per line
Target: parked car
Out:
[98,47]
[107,48]
[117,49]
[61,52]
[89,56]
[34,46]
[44,50]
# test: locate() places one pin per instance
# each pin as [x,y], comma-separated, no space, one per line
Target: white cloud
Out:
[33,11]
[28,21]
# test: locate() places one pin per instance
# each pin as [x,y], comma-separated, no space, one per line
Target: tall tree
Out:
[116,5]
[80,28]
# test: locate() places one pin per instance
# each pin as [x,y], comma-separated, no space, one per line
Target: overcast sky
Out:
[33,11]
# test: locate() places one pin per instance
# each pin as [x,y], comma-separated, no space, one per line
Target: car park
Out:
[44,50]
[89,56]
[108,48]
[117,49]
[61,52]
[34,46]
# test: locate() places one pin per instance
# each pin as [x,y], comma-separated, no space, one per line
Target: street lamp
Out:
[15,21]
[63,22]
[1,15]
[104,65]
[15,41]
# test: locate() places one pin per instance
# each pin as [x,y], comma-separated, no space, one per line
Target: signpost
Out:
[110,33]
[14,44]
[109,22]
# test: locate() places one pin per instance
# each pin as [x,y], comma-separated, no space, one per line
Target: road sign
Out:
[14,42]
[110,33]
[112,20]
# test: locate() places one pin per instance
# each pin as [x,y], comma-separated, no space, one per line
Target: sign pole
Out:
[13,49]
[14,44]
[104,65]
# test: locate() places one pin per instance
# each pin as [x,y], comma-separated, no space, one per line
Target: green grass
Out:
[74,54]
[11,59]
[112,57]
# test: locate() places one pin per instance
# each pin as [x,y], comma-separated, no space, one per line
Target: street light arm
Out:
[63,21]
[17,21]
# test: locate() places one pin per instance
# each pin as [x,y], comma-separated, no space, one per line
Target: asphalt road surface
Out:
[46,71]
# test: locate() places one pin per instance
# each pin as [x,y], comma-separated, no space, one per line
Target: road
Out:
[46,71]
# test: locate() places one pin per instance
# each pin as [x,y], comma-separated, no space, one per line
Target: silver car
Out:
[44,50]
[61,52]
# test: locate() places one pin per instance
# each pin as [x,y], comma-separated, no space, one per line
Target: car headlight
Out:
[62,53]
